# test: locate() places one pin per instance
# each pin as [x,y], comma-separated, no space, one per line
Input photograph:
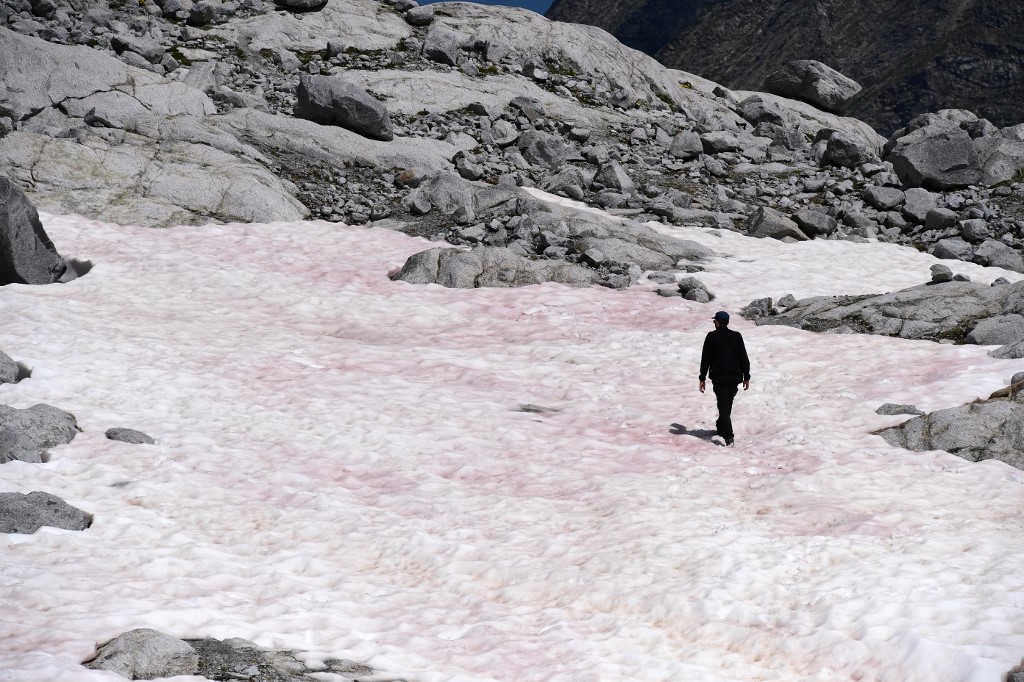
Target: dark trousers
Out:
[725,391]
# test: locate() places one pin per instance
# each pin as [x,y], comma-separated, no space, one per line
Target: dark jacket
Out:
[725,355]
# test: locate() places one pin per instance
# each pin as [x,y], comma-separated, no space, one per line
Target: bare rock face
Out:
[27,255]
[145,654]
[935,153]
[330,100]
[488,267]
[988,429]
[814,83]
[767,222]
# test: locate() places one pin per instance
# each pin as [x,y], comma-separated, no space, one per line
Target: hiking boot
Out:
[728,442]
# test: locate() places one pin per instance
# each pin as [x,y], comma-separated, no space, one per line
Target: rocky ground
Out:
[180,113]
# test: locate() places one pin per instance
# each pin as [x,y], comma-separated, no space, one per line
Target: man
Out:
[726,357]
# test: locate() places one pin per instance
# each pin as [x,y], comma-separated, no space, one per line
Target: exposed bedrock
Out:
[982,430]
[27,256]
[944,309]
[146,654]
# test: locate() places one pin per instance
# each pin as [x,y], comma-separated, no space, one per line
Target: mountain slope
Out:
[910,57]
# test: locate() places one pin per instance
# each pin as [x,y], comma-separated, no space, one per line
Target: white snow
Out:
[343,468]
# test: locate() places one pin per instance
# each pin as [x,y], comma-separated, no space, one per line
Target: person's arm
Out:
[705,361]
[744,363]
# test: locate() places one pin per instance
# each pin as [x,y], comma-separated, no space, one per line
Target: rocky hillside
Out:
[439,120]
[911,57]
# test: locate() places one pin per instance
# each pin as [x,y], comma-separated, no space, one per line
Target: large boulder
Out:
[767,222]
[488,267]
[28,513]
[25,434]
[145,654]
[847,151]
[934,153]
[1000,330]
[443,45]
[990,429]
[27,256]
[996,254]
[544,149]
[615,251]
[813,82]
[445,192]
[1002,158]
[330,100]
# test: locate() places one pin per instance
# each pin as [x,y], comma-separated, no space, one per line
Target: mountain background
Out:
[538,6]
[911,57]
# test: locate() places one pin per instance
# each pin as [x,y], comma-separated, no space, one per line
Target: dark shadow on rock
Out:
[703,434]
[299,7]
[24,372]
[76,268]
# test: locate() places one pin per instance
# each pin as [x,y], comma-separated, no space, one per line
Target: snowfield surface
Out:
[344,466]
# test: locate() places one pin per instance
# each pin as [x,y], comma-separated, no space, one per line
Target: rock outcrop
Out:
[813,82]
[27,256]
[146,654]
[28,513]
[978,431]
[488,266]
[26,434]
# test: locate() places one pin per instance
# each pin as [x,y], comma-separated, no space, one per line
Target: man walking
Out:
[726,357]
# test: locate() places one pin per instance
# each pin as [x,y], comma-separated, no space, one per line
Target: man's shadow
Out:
[703,434]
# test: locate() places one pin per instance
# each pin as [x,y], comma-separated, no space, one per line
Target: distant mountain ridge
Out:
[911,57]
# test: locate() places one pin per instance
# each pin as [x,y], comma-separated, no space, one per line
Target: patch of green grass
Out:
[488,70]
[179,57]
[306,56]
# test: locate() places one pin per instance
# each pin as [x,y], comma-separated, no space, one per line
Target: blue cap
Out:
[722,317]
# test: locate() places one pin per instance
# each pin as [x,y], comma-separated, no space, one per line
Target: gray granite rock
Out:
[25,434]
[28,513]
[847,151]
[686,145]
[544,149]
[146,654]
[488,267]
[420,16]
[766,222]
[894,409]
[998,331]
[996,254]
[129,436]
[331,100]
[815,223]
[27,256]
[813,82]
[989,429]
[443,45]
[8,369]
[953,248]
[940,274]
[939,155]
[883,198]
